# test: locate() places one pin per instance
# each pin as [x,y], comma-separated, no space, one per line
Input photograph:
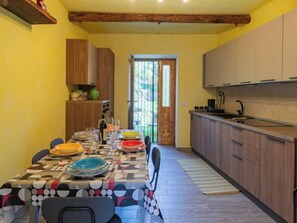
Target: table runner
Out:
[127,184]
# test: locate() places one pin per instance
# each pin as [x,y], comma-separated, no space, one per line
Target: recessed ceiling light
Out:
[160,0]
[185,0]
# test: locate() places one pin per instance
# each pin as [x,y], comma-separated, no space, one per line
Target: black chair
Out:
[79,209]
[147,141]
[55,142]
[39,155]
[156,159]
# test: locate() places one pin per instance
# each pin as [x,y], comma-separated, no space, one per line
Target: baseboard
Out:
[184,149]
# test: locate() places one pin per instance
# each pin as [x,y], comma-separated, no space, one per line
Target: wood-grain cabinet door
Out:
[81,62]
[269,51]
[290,47]
[211,68]
[213,149]
[80,115]
[277,169]
[246,52]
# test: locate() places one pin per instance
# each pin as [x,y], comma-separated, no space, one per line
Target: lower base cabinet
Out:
[262,164]
[277,174]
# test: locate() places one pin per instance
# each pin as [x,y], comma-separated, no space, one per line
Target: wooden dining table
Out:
[126,182]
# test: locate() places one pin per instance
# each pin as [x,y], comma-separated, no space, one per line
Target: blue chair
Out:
[38,156]
[55,142]
[147,141]
[156,159]
[79,210]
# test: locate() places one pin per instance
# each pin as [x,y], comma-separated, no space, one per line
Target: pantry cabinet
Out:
[290,47]
[81,62]
[105,76]
[269,51]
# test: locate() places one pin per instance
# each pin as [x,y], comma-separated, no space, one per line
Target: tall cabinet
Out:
[86,67]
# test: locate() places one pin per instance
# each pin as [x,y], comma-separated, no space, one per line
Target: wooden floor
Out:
[182,202]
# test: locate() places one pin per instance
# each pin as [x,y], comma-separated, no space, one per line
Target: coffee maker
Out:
[211,104]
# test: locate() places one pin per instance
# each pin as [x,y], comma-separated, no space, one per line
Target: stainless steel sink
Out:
[227,115]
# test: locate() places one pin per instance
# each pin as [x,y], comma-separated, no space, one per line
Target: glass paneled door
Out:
[147,79]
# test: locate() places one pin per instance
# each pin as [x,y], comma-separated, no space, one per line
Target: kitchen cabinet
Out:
[269,51]
[82,114]
[211,68]
[29,11]
[251,155]
[225,144]
[195,138]
[227,60]
[277,176]
[81,62]
[213,142]
[105,76]
[264,165]
[290,47]
[246,52]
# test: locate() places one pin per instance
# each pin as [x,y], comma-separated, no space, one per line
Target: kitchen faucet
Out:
[240,112]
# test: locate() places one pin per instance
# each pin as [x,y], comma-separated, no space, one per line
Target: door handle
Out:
[131,101]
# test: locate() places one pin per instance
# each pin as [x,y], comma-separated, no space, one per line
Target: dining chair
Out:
[147,141]
[55,142]
[156,159]
[39,155]
[79,209]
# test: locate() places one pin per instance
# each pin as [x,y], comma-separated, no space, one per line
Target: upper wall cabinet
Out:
[246,52]
[227,64]
[211,69]
[269,52]
[290,47]
[81,62]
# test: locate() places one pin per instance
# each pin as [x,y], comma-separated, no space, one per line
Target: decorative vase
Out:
[94,94]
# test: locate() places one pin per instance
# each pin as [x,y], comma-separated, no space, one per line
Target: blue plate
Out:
[88,164]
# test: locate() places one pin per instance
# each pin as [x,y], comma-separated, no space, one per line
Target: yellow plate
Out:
[67,147]
[130,134]
[56,152]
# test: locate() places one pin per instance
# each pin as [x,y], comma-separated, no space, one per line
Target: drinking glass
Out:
[90,135]
[116,125]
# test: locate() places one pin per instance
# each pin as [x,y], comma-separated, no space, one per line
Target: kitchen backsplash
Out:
[271,101]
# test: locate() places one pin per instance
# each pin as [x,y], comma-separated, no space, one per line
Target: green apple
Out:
[94,94]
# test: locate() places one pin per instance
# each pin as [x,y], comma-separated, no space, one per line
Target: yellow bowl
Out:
[67,147]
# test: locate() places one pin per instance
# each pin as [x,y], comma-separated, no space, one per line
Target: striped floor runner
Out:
[206,178]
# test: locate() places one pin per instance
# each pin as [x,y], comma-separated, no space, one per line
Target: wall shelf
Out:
[28,11]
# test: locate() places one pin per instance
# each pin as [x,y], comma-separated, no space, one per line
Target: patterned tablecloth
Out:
[126,183]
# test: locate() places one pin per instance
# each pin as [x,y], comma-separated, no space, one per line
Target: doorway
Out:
[152,98]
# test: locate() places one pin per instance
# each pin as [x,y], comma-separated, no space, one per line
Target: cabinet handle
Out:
[92,83]
[292,78]
[294,196]
[268,80]
[210,85]
[275,139]
[226,84]
[237,157]
[245,82]
[239,143]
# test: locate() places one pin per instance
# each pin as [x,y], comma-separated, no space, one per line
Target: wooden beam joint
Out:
[158,18]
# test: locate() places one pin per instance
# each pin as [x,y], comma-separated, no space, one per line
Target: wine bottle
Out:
[103,130]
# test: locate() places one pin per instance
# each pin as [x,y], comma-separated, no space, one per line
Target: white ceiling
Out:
[167,6]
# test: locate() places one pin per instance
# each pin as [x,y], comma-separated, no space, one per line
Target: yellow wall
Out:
[189,50]
[268,12]
[32,83]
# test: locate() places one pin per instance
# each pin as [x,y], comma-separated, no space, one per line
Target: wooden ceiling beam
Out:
[158,18]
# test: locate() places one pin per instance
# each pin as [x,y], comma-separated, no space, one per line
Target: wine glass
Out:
[116,125]
[98,143]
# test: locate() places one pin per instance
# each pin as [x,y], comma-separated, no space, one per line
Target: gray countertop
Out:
[288,133]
